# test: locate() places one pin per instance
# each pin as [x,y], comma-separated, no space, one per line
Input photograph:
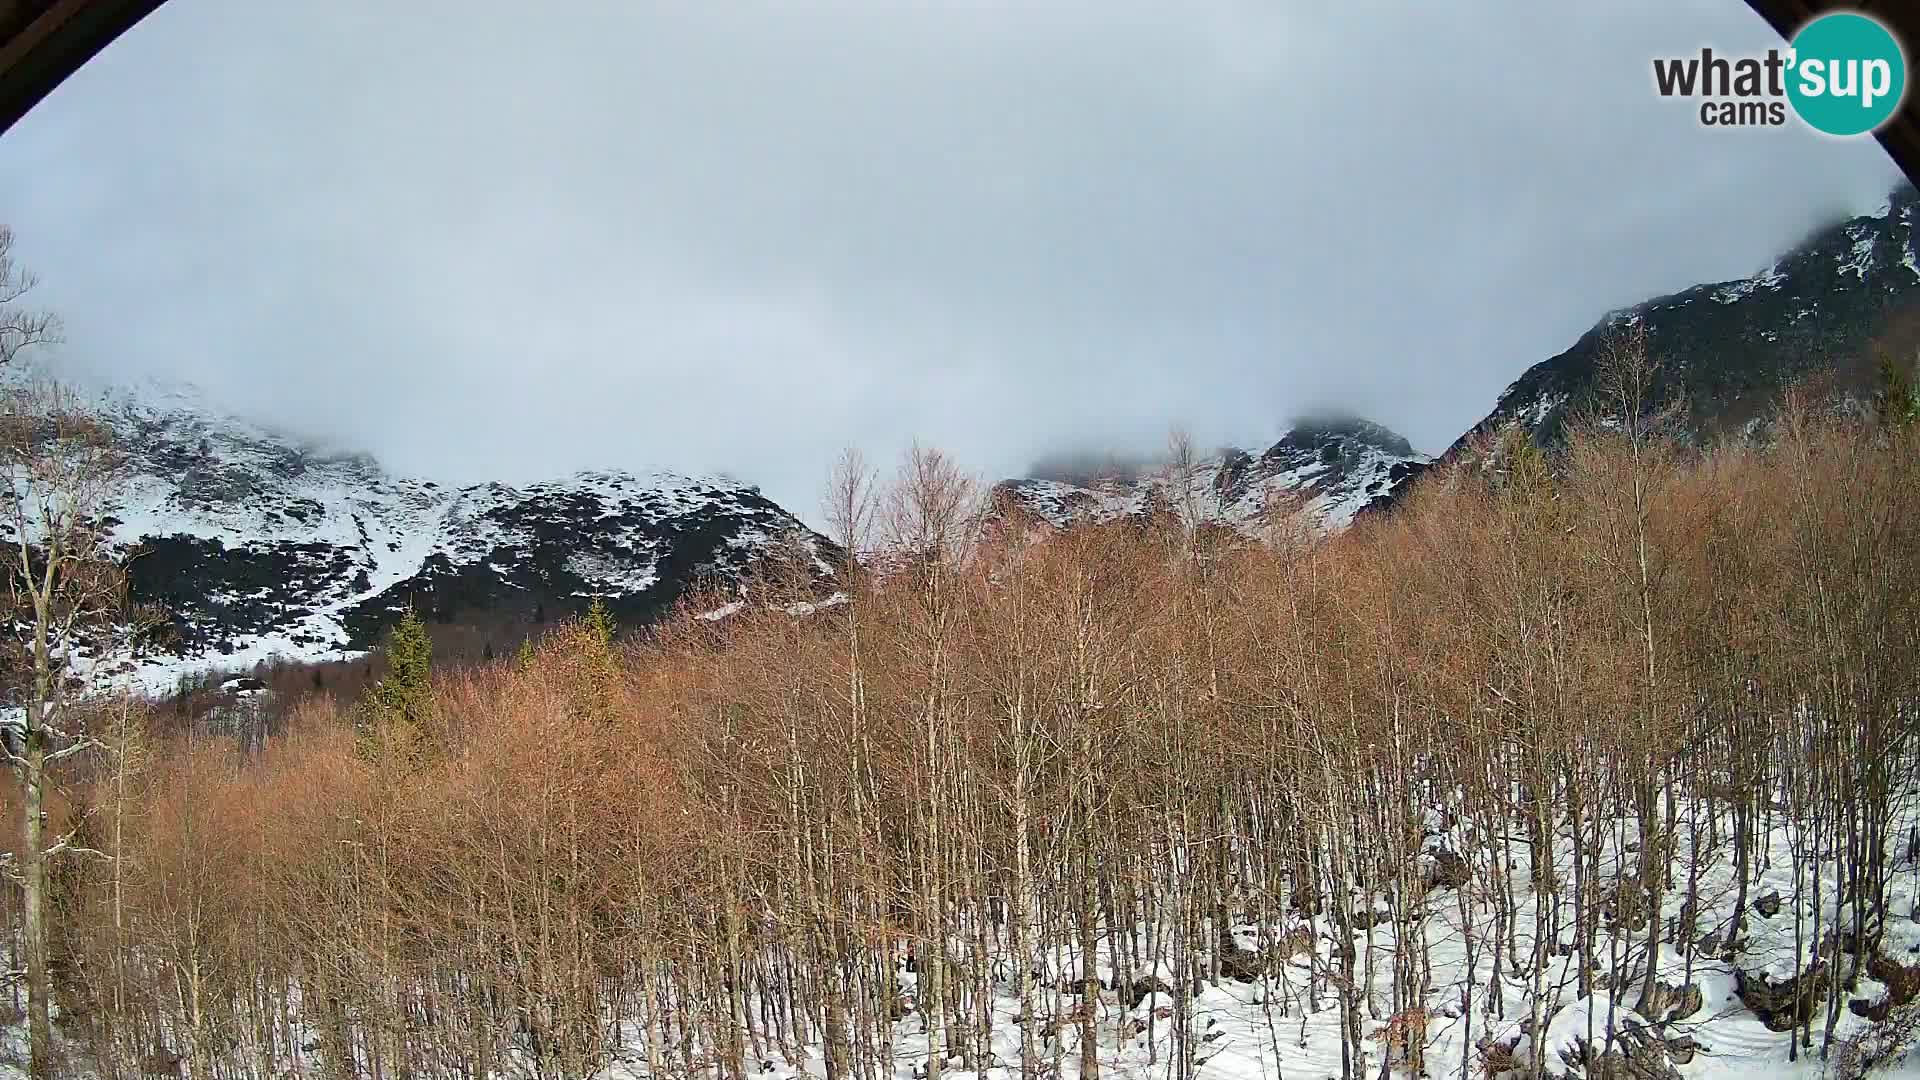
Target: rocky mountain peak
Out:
[1317,476]
[1725,351]
[1337,433]
[255,544]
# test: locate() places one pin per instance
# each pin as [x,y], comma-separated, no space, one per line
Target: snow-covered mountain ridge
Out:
[1315,479]
[1820,314]
[254,545]
[1727,349]
[1724,350]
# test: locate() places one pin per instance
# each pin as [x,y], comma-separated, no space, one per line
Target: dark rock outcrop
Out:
[252,545]
[1726,351]
[1316,477]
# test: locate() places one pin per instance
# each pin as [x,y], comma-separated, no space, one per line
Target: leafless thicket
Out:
[1062,769]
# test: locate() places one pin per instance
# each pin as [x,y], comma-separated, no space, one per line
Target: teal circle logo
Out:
[1847,74]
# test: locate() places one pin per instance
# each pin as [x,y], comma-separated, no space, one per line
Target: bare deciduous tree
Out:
[58,470]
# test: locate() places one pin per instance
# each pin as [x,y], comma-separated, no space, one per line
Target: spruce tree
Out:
[1527,470]
[599,669]
[600,621]
[396,716]
[1897,399]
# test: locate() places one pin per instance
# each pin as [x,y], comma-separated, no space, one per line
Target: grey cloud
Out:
[483,243]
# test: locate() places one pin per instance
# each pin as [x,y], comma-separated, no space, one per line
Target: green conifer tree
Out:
[598,667]
[600,621]
[1897,399]
[396,718]
[1527,470]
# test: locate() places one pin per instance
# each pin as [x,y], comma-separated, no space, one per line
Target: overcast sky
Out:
[507,240]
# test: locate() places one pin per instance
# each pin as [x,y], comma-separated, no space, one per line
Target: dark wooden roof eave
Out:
[44,41]
[1901,137]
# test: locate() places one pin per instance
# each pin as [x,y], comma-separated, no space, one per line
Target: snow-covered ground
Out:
[1274,1027]
[1273,1023]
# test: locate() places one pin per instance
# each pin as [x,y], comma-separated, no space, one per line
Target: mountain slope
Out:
[1727,350]
[254,545]
[1317,476]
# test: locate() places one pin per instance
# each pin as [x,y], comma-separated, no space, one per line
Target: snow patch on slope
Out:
[286,550]
[1317,478]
